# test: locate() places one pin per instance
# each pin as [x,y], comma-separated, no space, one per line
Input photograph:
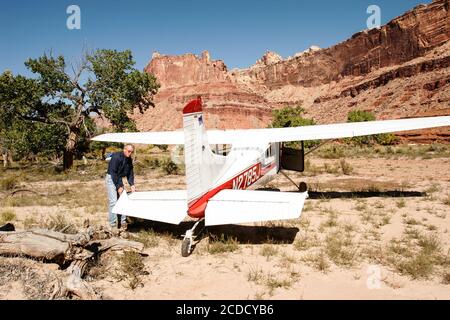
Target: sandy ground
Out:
[338,249]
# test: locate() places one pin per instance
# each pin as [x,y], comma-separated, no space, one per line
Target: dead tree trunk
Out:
[72,140]
[73,250]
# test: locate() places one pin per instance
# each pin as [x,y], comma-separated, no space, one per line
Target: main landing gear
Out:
[302,186]
[186,245]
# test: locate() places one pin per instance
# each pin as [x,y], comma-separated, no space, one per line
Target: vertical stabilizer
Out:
[202,165]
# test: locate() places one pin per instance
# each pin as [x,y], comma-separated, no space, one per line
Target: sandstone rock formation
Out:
[398,70]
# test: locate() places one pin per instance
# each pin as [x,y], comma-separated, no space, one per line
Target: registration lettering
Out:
[247,178]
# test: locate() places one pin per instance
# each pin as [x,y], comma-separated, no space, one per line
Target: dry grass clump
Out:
[131,268]
[416,255]
[7,216]
[221,245]
[340,248]
[317,260]
[9,183]
[269,251]
[148,238]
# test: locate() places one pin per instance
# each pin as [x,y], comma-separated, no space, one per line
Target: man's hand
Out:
[133,189]
[120,190]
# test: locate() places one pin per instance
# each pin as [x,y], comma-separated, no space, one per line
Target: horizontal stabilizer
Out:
[243,206]
[164,206]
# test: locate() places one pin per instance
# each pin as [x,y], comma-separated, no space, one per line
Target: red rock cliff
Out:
[399,70]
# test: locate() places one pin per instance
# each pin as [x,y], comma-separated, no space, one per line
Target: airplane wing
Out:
[325,131]
[242,206]
[315,132]
[165,206]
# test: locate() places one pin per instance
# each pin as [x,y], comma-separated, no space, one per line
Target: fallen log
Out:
[74,250]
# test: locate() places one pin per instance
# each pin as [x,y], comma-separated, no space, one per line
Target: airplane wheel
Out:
[186,247]
[302,187]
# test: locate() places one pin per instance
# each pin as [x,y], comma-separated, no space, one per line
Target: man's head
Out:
[128,150]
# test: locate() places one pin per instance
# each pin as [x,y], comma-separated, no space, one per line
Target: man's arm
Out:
[130,177]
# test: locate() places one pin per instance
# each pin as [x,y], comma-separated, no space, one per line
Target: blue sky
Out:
[238,32]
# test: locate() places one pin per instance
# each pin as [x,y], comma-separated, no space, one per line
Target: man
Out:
[120,165]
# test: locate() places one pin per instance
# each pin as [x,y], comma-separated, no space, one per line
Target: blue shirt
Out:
[120,166]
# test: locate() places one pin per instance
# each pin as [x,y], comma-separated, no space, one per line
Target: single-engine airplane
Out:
[217,184]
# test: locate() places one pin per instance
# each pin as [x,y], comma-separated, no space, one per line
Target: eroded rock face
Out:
[187,69]
[268,59]
[399,70]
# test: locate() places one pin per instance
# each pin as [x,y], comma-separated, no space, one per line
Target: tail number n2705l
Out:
[247,178]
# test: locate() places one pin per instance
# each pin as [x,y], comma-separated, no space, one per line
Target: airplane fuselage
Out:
[246,167]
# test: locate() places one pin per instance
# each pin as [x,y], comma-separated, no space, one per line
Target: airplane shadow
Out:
[364,194]
[355,194]
[241,233]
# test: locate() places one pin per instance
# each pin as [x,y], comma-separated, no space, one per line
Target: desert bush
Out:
[334,152]
[273,282]
[346,168]
[154,163]
[9,183]
[317,260]
[132,266]
[401,203]
[386,139]
[255,275]
[222,244]
[340,248]
[268,251]
[329,168]
[293,117]
[30,222]
[169,167]
[148,238]
[415,256]
[163,147]
[383,139]
[7,216]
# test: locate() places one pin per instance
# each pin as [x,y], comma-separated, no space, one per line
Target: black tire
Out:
[186,247]
[302,187]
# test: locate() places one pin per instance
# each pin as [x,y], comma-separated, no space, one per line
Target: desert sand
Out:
[380,231]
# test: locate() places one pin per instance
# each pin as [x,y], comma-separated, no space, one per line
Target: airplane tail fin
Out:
[202,165]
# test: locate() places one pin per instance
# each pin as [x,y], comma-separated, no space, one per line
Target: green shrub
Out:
[222,244]
[169,167]
[292,117]
[360,116]
[132,266]
[7,216]
[386,139]
[163,147]
[9,183]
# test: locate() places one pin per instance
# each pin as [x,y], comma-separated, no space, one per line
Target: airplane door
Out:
[292,159]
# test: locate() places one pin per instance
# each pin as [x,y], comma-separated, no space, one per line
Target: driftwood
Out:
[72,252]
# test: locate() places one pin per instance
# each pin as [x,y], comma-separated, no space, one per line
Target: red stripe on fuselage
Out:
[197,207]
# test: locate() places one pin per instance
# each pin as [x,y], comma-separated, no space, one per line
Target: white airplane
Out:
[217,184]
